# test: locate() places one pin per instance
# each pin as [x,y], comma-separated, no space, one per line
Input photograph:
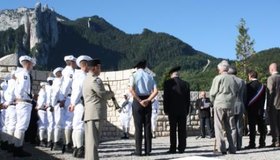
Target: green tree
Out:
[244,49]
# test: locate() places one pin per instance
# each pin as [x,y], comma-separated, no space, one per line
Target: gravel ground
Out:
[197,149]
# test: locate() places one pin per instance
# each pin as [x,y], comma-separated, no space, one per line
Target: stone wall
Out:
[119,83]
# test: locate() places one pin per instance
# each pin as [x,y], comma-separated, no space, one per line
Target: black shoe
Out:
[4,145]
[57,146]
[10,148]
[68,148]
[171,152]
[250,147]
[147,154]
[261,146]
[80,152]
[272,145]
[43,143]
[49,144]
[181,151]
[136,154]
[75,152]
[19,152]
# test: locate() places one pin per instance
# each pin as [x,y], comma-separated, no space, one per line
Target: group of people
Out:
[64,107]
[71,107]
[234,100]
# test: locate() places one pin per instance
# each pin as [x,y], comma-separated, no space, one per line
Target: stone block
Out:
[3,69]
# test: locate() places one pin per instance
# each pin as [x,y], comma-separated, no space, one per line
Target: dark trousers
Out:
[205,121]
[274,120]
[179,121]
[142,117]
[255,118]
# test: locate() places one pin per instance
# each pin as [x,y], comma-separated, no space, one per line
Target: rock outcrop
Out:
[40,27]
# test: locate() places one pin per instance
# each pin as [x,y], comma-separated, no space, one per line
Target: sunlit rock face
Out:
[40,27]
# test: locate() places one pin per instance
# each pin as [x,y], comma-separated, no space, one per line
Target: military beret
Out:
[141,64]
[94,62]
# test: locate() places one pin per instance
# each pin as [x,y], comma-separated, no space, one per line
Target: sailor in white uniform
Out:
[155,110]
[57,102]
[42,114]
[10,104]
[126,114]
[77,106]
[23,94]
[50,109]
[4,140]
[68,73]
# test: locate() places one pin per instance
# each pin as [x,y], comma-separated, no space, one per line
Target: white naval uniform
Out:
[11,118]
[126,114]
[67,73]
[3,116]
[155,109]
[42,113]
[57,96]
[76,100]
[50,114]
[23,108]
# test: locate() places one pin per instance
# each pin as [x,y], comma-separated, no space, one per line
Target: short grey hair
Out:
[223,66]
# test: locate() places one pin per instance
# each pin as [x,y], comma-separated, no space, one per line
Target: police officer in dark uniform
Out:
[255,109]
[176,106]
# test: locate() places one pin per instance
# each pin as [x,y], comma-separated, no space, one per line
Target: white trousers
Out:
[78,123]
[43,120]
[154,121]
[125,120]
[11,118]
[23,112]
[3,117]
[68,117]
[50,117]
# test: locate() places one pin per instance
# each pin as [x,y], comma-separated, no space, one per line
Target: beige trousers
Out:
[224,121]
[92,132]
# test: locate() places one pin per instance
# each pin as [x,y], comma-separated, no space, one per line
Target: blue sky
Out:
[207,25]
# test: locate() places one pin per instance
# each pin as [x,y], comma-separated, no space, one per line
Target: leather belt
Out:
[24,100]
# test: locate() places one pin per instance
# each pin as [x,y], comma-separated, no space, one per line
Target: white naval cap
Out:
[27,58]
[57,70]
[82,58]
[69,58]
[43,84]
[50,78]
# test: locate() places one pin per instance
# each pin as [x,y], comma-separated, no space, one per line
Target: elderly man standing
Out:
[239,107]
[95,98]
[273,103]
[143,89]
[176,102]
[223,95]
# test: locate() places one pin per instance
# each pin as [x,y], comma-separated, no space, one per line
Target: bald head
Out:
[272,68]
[202,94]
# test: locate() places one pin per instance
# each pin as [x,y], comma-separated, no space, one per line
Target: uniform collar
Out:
[274,73]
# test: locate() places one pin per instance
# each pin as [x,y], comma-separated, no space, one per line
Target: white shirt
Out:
[56,94]
[77,86]
[42,99]
[48,89]
[67,74]
[23,85]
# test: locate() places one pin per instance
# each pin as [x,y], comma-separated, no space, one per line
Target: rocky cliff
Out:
[40,29]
